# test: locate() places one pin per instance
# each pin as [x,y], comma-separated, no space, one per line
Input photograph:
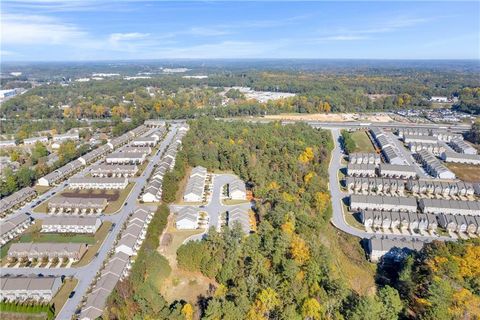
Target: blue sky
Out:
[101,30]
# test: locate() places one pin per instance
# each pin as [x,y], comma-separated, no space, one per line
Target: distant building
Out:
[17,199]
[7,144]
[439,99]
[32,141]
[65,137]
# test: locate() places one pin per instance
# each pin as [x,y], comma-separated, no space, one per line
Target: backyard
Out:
[362,141]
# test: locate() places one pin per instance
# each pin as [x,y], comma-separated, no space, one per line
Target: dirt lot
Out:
[465,172]
[180,284]
[332,117]
[110,195]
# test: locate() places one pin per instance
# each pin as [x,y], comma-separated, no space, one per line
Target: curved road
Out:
[338,220]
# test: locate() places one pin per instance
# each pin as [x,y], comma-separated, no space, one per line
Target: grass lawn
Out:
[465,172]
[117,204]
[41,208]
[100,236]
[41,189]
[229,202]
[62,295]
[181,284]
[363,142]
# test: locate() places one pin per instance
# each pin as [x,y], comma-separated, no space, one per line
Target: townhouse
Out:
[393,156]
[17,199]
[461,146]
[60,174]
[87,225]
[445,188]
[186,218]
[125,158]
[194,191]
[374,185]
[11,228]
[361,170]
[438,206]
[237,190]
[67,136]
[150,141]
[97,183]
[461,158]
[427,139]
[34,140]
[133,149]
[7,143]
[47,250]
[19,289]
[121,170]
[240,216]
[433,166]
[132,236]
[391,248]
[376,202]
[95,154]
[398,220]
[396,171]
[441,135]
[74,205]
[435,148]
[154,123]
[364,158]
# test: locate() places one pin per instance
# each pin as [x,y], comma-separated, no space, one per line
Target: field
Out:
[180,284]
[362,141]
[62,295]
[115,198]
[465,172]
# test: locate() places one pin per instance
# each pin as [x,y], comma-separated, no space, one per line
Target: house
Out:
[367,218]
[47,250]
[65,137]
[461,223]
[88,225]
[125,158]
[461,158]
[186,218]
[364,158]
[19,289]
[414,221]
[395,219]
[17,199]
[153,190]
[132,237]
[13,227]
[145,141]
[74,205]
[397,171]
[426,186]
[433,166]
[472,225]
[98,183]
[432,222]
[237,190]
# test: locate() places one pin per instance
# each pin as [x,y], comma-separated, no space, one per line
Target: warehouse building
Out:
[461,158]
[82,206]
[20,289]
[98,183]
[16,199]
[87,225]
[396,171]
[13,227]
[376,202]
[121,170]
[49,250]
[433,166]
[438,206]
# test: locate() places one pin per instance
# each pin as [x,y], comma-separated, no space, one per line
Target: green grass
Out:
[62,295]
[362,141]
[228,202]
[58,238]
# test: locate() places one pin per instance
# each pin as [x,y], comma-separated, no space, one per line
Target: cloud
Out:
[35,29]
[118,37]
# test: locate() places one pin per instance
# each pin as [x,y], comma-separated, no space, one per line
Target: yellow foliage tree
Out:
[311,309]
[187,311]
[309,177]
[306,155]
[322,200]
[299,250]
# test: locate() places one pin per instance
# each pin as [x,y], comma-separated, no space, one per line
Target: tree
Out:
[311,309]
[187,311]
[392,304]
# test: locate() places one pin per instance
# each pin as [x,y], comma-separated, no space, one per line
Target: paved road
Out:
[215,207]
[338,220]
[86,274]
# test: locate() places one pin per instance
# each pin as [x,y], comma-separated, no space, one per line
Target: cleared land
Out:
[180,284]
[362,141]
[331,117]
[465,172]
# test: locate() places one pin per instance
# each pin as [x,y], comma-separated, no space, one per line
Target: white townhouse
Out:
[32,141]
[120,170]
[125,158]
[186,218]
[438,206]
[462,146]
[40,289]
[150,141]
[88,225]
[98,183]
[237,190]
[391,248]
[76,206]
[48,250]
[13,227]
[65,137]
[376,202]
[239,215]
[195,188]
[7,143]
[17,198]
[361,170]
[461,158]
[397,171]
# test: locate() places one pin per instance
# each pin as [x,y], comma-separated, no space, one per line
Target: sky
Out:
[83,30]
